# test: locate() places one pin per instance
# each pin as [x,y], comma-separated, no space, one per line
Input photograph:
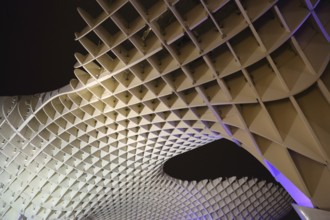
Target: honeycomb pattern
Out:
[156,79]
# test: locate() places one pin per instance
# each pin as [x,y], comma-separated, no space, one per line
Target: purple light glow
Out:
[300,198]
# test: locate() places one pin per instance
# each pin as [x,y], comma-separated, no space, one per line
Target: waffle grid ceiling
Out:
[157,79]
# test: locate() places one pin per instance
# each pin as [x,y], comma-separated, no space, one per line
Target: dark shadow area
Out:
[221,158]
[292,215]
[37,45]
